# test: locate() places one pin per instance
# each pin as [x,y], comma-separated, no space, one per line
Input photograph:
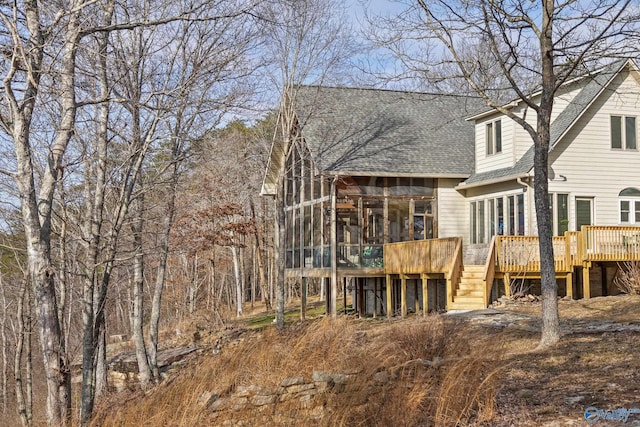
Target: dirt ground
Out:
[596,364]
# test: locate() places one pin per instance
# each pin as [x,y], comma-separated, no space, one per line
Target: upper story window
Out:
[494,137]
[623,133]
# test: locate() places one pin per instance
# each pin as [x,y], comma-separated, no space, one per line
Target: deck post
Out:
[375,297]
[416,298]
[569,285]
[507,284]
[303,299]
[334,251]
[425,299]
[586,282]
[403,296]
[389,302]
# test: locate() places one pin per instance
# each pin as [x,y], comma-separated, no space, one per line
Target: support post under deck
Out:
[425,299]
[586,281]
[403,296]
[389,302]
[507,284]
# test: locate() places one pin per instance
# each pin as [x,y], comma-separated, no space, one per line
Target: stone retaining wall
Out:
[294,398]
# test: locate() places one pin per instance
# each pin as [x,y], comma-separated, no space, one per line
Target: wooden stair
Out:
[469,294]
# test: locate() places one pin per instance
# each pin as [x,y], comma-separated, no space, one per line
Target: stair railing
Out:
[455,270]
[489,271]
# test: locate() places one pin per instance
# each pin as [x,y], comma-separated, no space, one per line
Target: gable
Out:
[593,87]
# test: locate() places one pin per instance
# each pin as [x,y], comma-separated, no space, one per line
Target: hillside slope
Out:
[466,369]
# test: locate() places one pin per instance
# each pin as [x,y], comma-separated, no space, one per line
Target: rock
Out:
[292,381]
[306,401]
[381,377]
[574,399]
[207,398]
[319,376]
[245,391]
[263,400]
[299,388]
[239,403]
[339,378]
[219,404]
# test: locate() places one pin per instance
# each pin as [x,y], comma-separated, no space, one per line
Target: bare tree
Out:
[42,43]
[310,43]
[210,65]
[523,49]
[30,29]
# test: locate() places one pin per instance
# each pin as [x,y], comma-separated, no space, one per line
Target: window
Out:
[481,222]
[559,209]
[478,222]
[492,217]
[423,220]
[584,212]
[623,133]
[497,216]
[494,137]
[474,223]
[630,206]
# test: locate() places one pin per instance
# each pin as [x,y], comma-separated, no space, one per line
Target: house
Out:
[423,201]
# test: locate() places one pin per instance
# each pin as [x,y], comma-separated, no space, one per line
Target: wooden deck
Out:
[511,256]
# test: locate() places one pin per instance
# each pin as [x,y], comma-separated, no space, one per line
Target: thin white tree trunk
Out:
[238,281]
[144,371]
[5,345]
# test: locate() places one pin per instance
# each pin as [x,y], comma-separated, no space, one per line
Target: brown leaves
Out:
[218,225]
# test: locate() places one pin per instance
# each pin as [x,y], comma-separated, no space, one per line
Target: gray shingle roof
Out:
[594,86]
[373,132]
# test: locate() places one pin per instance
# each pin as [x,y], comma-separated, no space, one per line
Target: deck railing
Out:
[420,256]
[610,243]
[520,254]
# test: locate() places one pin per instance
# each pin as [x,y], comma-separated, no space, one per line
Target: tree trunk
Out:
[101,360]
[238,281]
[144,371]
[5,345]
[280,252]
[193,286]
[21,402]
[156,303]
[260,253]
[550,321]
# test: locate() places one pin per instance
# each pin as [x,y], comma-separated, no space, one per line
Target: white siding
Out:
[563,98]
[486,162]
[585,157]
[522,139]
[515,139]
[453,211]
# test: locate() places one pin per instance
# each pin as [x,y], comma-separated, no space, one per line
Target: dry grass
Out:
[484,376]
[435,377]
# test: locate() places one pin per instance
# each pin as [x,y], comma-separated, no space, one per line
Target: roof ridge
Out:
[387,90]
